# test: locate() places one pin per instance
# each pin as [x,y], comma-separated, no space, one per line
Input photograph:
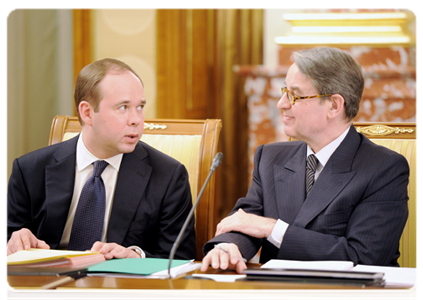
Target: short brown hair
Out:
[333,71]
[89,78]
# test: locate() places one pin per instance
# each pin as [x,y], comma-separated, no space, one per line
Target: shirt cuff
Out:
[137,250]
[278,233]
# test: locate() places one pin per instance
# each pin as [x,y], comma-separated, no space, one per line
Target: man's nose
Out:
[284,102]
[134,117]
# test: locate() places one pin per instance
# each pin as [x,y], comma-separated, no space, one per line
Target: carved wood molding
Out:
[382,130]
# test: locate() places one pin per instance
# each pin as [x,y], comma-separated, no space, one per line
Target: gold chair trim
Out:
[382,130]
[151,126]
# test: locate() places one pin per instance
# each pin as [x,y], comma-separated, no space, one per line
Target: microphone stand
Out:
[216,162]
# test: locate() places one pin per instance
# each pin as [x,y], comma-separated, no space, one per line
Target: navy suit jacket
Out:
[356,210]
[151,202]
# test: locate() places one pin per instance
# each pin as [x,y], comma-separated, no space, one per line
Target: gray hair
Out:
[333,71]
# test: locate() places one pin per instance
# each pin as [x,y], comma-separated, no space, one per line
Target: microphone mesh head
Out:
[217,160]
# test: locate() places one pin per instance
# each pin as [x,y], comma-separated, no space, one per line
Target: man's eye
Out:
[123,107]
[140,107]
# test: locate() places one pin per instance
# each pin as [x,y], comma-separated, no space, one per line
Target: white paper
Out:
[394,276]
[220,277]
[327,265]
[177,271]
[36,255]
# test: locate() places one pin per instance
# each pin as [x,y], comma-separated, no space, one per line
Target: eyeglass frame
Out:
[295,98]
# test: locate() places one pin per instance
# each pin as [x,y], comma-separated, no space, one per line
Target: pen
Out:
[227,252]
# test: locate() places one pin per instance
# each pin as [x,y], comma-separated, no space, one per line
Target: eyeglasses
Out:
[293,98]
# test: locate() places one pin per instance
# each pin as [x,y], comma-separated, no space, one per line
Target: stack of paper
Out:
[393,276]
[46,258]
[327,272]
[53,262]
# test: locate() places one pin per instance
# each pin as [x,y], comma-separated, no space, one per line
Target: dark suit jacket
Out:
[152,198]
[356,210]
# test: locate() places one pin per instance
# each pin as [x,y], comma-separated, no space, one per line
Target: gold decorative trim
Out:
[151,126]
[348,28]
[382,130]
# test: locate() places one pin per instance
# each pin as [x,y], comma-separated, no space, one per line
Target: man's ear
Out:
[86,111]
[337,106]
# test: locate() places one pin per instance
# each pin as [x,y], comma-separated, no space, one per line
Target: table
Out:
[35,287]
[127,288]
[51,287]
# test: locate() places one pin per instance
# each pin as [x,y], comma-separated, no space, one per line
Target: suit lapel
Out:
[333,179]
[60,177]
[290,185]
[134,174]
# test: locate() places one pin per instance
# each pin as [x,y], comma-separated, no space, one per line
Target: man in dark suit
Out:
[352,207]
[146,195]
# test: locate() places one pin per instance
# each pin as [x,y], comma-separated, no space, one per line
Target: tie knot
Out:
[312,162]
[99,167]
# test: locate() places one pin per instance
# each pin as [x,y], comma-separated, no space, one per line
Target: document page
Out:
[329,265]
[394,276]
[43,255]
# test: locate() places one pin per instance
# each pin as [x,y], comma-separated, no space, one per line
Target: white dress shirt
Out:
[323,156]
[83,170]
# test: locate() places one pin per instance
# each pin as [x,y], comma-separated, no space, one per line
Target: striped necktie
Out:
[311,166]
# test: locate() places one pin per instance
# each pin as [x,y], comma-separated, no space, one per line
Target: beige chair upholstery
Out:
[400,137]
[192,142]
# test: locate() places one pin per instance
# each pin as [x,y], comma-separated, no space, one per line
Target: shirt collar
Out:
[327,151]
[84,157]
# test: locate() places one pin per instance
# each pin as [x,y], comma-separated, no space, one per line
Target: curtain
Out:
[239,42]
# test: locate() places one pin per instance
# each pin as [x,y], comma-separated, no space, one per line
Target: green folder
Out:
[135,266]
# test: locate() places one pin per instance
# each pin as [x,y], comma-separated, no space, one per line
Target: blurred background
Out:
[202,63]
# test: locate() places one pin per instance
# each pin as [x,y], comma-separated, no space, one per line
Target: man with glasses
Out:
[330,195]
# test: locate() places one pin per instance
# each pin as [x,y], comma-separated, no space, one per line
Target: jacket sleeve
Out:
[18,204]
[252,203]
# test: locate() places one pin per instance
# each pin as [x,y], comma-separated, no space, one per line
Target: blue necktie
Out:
[87,226]
[311,167]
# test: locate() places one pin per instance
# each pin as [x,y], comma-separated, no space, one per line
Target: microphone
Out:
[216,162]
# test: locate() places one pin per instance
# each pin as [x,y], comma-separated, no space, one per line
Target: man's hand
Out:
[225,256]
[113,250]
[249,224]
[23,240]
